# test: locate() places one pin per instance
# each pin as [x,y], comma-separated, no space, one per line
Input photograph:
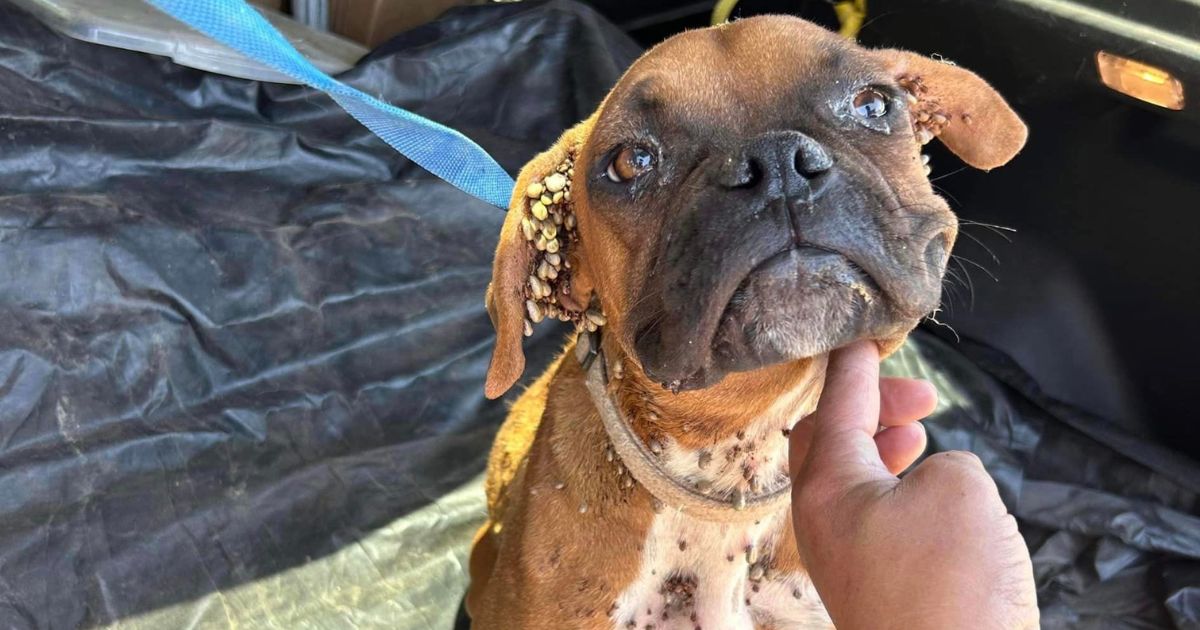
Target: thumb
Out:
[837,452]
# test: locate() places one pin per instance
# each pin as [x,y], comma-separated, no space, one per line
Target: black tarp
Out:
[242,347]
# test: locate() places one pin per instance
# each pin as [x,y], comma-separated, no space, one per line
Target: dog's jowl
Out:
[746,199]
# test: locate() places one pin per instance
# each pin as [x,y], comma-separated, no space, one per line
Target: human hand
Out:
[936,549]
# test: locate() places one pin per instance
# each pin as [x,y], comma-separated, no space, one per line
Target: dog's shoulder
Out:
[515,438]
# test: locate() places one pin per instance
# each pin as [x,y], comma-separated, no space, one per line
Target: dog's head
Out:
[748,195]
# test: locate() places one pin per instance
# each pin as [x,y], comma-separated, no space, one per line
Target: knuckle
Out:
[962,469]
[964,461]
[966,458]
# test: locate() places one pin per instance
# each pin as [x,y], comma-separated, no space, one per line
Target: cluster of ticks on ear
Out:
[928,119]
[548,225]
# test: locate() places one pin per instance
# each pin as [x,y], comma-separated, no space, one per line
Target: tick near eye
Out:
[870,103]
[630,162]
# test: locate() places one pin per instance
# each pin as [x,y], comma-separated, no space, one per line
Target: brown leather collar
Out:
[644,465]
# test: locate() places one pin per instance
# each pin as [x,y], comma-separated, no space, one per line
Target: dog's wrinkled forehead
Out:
[737,75]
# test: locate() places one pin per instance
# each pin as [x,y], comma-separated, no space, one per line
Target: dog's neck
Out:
[725,438]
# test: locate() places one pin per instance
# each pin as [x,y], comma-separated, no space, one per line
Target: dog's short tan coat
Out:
[569,541]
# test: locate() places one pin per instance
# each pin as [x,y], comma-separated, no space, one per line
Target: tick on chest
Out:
[717,576]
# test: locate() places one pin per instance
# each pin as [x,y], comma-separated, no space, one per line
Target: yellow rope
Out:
[850,15]
[721,11]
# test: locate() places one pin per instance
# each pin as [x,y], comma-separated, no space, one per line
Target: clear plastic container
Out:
[137,25]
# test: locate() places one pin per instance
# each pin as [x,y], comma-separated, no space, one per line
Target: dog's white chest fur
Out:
[696,574]
[704,575]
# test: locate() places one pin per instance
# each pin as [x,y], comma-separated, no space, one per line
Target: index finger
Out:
[850,400]
[840,444]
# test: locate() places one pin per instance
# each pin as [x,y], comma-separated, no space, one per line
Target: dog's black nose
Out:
[779,162]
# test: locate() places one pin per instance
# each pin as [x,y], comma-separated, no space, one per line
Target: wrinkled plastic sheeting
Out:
[240,334]
[1111,520]
[243,347]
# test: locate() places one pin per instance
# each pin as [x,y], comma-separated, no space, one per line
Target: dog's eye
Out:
[870,103]
[629,163]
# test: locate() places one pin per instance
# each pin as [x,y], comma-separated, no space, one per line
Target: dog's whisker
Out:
[997,229]
[995,226]
[995,258]
[945,175]
[909,206]
[945,193]
[970,281]
[954,279]
[951,296]
[933,318]
[953,283]
[962,259]
[650,323]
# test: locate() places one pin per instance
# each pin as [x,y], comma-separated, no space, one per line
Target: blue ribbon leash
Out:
[436,148]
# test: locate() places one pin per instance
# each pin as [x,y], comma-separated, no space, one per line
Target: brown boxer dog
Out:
[746,199]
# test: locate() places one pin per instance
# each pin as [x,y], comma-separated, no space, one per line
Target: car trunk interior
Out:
[242,376]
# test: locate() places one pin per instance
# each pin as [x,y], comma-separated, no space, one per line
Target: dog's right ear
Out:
[533,276]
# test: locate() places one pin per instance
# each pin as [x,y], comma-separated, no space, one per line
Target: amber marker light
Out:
[1141,81]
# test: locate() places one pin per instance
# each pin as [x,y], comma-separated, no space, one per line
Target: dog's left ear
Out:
[536,273]
[959,108]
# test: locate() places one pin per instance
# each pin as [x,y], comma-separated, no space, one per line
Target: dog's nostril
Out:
[811,159]
[747,173]
[754,172]
[937,252]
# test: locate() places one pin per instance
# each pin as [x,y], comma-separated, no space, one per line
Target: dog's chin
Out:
[799,303]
